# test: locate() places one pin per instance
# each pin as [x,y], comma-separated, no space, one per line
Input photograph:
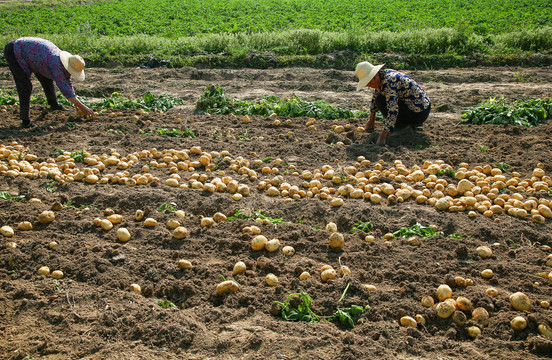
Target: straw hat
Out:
[74,64]
[366,72]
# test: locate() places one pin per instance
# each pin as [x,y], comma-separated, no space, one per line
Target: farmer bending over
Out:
[29,55]
[403,103]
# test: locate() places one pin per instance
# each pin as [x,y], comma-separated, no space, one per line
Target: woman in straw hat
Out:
[403,103]
[29,55]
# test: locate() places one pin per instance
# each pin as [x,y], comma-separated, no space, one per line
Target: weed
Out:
[57,284]
[448,172]
[51,186]
[171,206]
[349,315]
[257,214]
[503,166]
[113,131]
[185,133]
[6,196]
[420,146]
[148,133]
[243,137]
[303,311]
[362,226]
[483,148]
[167,304]
[416,230]
[268,159]
[70,124]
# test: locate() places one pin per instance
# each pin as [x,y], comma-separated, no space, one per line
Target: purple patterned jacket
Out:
[41,56]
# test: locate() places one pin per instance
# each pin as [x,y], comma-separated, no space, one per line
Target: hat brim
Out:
[77,75]
[365,80]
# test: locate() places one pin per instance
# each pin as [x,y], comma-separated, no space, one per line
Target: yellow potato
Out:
[520,301]
[239,268]
[226,287]
[180,232]
[408,321]
[46,217]
[123,234]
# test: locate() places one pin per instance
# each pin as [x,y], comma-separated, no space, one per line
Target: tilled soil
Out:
[91,314]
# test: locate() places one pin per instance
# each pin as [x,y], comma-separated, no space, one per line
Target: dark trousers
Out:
[25,87]
[406,116]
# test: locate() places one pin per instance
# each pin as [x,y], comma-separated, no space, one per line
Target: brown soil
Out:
[91,314]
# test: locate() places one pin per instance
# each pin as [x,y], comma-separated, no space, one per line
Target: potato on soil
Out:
[239,268]
[258,242]
[226,287]
[408,321]
[304,276]
[520,301]
[123,234]
[272,280]
[184,264]
[46,217]
[180,232]
[57,274]
[443,292]
[518,323]
[328,274]
[25,225]
[288,250]
[7,231]
[150,222]
[44,271]
[135,288]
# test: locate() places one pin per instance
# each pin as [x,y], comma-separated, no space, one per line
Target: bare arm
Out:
[371,122]
[85,110]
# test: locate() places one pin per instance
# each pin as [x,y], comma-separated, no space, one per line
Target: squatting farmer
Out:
[402,102]
[29,55]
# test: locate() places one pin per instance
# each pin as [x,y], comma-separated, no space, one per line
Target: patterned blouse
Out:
[396,86]
[41,56]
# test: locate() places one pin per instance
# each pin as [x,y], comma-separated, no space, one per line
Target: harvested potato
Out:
[337,240]
[47,216]
[487,274]
[180,232]
[481,316]
[218,217]
[520,301]
[7,231]
[427,301]
[115,218]
[150,222]
[25,225]
[227,287]
[106,224]
[304,276]
[271,279]
[443,292]
[474,331]
[331,227]
[135,288]
[172,224]
[123,234]
[518,323]
[459,318]
[491,292]
[207,221]
[272,245]
[44,271]
[57,274]
[288,250]
[463,303]
[328,274]
[545,331]
[184,264]
[239,268]
[408,321]
[139,215]
[445,309]
[484,251]
[258,242]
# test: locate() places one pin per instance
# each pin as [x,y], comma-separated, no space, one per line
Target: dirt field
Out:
[91,314]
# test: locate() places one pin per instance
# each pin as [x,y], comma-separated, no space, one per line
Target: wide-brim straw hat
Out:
[74,64]
[366,72]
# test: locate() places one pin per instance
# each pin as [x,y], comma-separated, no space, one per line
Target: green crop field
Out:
[129,31]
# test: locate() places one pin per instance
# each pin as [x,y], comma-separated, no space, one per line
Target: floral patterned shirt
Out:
[41,56]
[396,86]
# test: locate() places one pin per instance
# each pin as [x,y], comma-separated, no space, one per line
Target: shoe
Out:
[27,124]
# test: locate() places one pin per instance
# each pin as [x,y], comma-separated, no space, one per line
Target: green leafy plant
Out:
[51,186]
[483,148]
[362,226]
[70,124]
[416,230]
[167,304]
[79,156]
[503,166]
[213,100]
[448,172]
[243,136]
[186,133]
[348,315]
[148,102]
[302,312]
[268,159]
[7,196]
[497,111]
[244,214]
[171,206]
